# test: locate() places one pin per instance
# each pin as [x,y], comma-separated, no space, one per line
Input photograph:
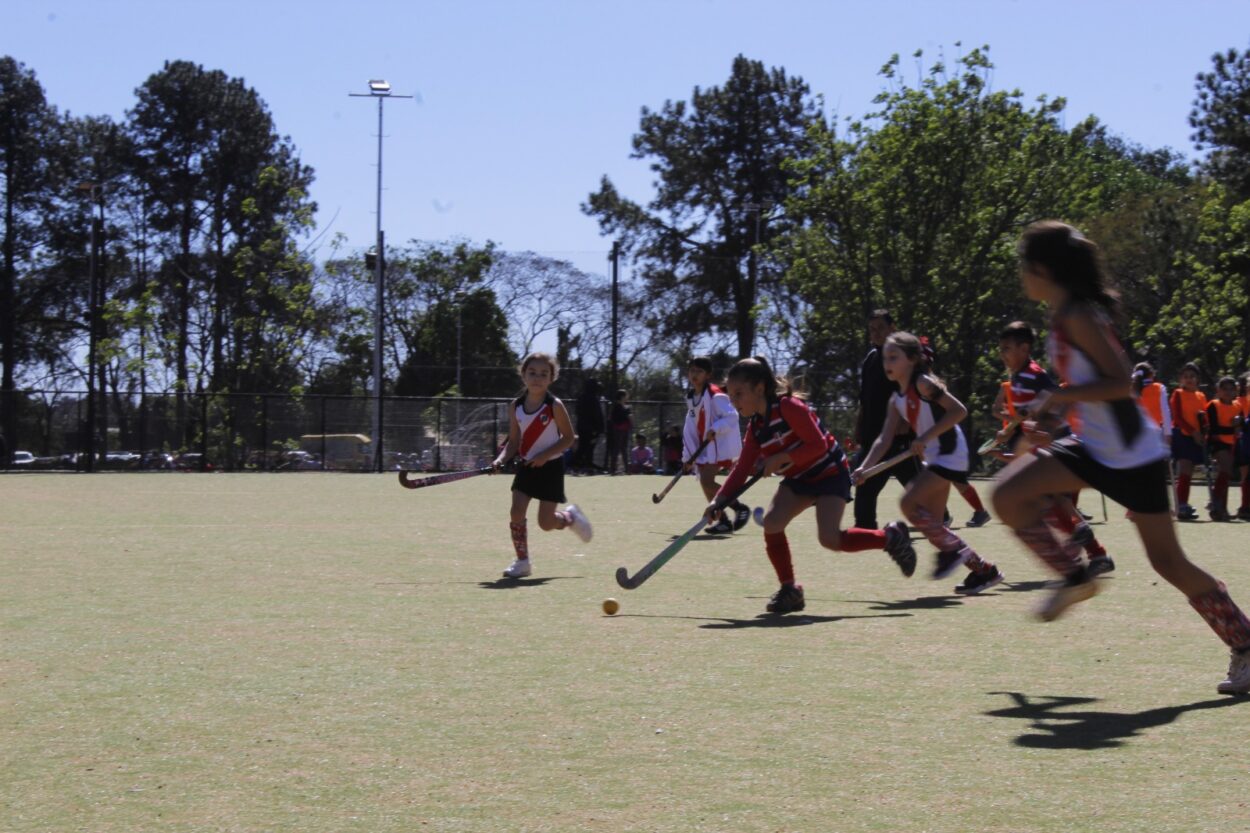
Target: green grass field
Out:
[318,652]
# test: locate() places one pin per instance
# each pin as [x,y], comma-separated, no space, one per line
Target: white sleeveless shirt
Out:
[538,430]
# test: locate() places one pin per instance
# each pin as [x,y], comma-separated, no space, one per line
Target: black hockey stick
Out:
[676,477]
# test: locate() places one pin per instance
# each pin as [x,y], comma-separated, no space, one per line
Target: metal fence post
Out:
[323,432]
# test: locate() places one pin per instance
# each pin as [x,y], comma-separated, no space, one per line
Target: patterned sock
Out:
[1062,559]
[977,564]
[1095,550]
[974,500]
[858,540]
[778,549]
[1224,617]
[932,528]
[1182,488]
[519,542]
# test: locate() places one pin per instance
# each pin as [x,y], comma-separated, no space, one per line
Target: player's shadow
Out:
[1054,729]
[1024,586]
[794,620]
[517,583]
[922,603]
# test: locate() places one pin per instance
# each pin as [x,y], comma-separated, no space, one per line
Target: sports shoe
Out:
[742,516]
[722,527]
[789,599]
[979,518]
[1098,565]
[518,569]
[1185,512]
[1243,514]
[1082,535]
[948,561]
[976,582]
[1075,588]
[898,545]
[1219,513]
[1085,516]
[579,522]
[1238,680]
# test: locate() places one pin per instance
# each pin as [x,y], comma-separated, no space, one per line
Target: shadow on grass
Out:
[515,583]
[1090,729]
[922,603]
[764,620]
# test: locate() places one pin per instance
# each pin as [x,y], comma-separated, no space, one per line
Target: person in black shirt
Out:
[875,391]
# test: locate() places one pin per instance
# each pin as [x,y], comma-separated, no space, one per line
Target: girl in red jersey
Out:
[786,436]
[1117,451]
[934,416]
[539,431]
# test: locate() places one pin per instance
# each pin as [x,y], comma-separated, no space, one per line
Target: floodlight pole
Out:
[380,90]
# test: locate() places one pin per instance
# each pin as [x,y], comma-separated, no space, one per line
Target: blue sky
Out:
[523,106]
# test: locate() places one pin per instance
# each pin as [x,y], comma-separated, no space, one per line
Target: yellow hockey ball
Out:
[611,606]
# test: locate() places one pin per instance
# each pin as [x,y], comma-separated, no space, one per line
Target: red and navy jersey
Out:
[792,427]
[1026,384]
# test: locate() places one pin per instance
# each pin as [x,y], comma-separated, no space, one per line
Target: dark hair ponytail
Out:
[1072,259]
[757,371]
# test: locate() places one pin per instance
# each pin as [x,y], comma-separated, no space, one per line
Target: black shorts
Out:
[1185,447]
[542,483]
[838,485]
[948,474]
[1141,489]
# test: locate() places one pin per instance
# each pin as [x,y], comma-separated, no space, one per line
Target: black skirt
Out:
[543,483]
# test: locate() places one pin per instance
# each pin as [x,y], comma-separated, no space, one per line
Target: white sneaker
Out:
[1074,589]
[579,522]
[518,569]
[1238,681]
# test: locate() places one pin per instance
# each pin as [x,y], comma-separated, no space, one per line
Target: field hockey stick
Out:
[657,498]
[439,479]
[624,579]
[887,464]
[1006,432]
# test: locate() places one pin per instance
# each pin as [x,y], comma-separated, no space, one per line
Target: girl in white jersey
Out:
[934,416]
[711,416]
[539,432]
[1114,447]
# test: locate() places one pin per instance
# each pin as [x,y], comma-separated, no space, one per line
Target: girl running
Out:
[1117,451]
[785,435]
[539,431]
[934,416]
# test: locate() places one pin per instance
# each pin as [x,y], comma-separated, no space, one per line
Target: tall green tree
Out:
[1221,120]
[28,177]
[918,208]
[718,161]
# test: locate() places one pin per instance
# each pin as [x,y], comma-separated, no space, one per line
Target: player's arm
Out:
[725,416]
[879,445]
[514,441]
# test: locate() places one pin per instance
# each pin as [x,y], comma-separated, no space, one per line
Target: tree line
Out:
[175,251]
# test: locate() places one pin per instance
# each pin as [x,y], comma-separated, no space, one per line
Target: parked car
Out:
[192,461]
[23,459]
[158,461]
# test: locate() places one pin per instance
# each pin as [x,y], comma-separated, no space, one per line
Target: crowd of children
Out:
[1101,424]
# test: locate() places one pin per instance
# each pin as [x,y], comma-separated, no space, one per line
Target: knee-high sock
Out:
[1063,559]
[1224,617]
[1221,490]
[858,540]
[1182,488]
[969,493]
[1245,490]
[1061,521]
[945,540]
[778,549]
[519,539]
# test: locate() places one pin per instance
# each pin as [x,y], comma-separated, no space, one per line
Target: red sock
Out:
[858,540]
[974,500]
[519,542]
[1221,489]
[1060,520]
[1182,488]
[778,549]
[1061,558]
